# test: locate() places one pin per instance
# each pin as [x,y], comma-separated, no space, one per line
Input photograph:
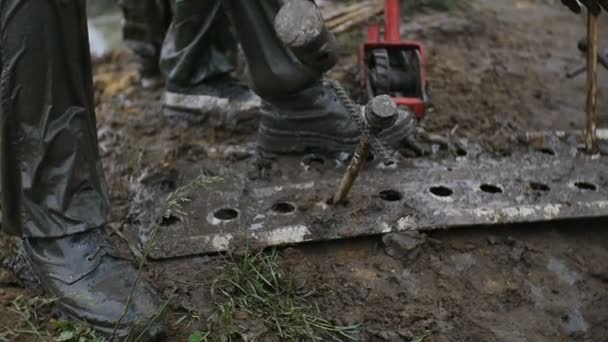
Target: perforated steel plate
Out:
[286,201]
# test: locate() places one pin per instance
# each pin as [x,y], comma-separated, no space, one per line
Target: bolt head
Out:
[381,112]
[383,106]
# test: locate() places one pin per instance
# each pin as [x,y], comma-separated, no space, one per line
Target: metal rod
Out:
[354,167]
[592,54]
[380,113]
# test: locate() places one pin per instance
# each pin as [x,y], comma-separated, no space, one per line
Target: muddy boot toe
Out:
[92,283]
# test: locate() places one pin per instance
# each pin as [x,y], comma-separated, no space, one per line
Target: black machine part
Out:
[394,71]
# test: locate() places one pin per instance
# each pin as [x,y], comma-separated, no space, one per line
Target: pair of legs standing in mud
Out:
[54,194]
[52,179]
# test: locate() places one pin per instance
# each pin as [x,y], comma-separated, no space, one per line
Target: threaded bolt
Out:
[381,113]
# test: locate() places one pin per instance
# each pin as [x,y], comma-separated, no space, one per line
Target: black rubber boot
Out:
[315,121]
[92,283]
[311,121]
[219,102]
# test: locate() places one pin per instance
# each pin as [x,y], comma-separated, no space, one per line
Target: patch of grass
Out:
[31,312]
[253,288]
[174,205]
[422,337]
[68,331]
[200,336]
[188,317]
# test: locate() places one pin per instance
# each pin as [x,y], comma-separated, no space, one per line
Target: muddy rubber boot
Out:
[144,27]
[92,283]
[198,56]
[149,73]
[315,121]
[219,102]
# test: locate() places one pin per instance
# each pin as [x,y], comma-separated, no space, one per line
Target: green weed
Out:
[253,288]
[69,331]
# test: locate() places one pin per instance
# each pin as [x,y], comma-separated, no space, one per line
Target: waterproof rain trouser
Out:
[51,176]
[274,69]
[200,45]
[145,25]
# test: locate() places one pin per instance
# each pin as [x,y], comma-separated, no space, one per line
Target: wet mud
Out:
[496,70]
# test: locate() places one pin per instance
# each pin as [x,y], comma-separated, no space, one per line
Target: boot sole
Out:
[198,109]
[271,141]
[275,142]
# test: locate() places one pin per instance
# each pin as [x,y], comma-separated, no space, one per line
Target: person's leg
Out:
[52,179]
[53,189]
[198,56]
[145,25]
[308,115]
[199,44]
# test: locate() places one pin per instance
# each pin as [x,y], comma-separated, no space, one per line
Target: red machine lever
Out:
[392,21]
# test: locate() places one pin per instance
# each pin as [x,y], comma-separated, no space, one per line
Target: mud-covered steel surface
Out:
[52,177]
[286,202]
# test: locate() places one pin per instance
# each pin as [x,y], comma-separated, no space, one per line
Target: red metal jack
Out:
[394,66]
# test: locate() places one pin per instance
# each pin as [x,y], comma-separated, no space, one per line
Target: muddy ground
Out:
[495,68]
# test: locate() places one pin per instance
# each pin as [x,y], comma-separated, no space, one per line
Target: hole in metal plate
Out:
[546,150]
[536,186]
[441,191]
[283,208]
[490,188]
[391,195]
[169,220]
[586,186]
[226,214]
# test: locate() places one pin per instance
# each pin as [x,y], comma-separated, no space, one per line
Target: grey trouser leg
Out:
[51,175]
[145,25]
[199,44]
[274,70]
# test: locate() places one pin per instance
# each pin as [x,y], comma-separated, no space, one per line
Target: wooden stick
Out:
[345,17]
[592,52]
[328,16]
[357,18]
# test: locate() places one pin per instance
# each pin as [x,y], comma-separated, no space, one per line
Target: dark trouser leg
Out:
[274,69]
[53,189]
[308,116]
[52,178]
[198,57]
[145,26]
[199,44]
